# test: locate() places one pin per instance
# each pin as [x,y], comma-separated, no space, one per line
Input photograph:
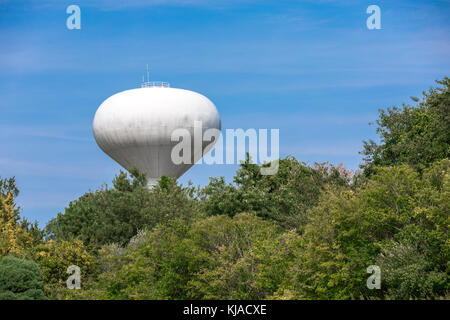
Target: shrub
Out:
[20,280]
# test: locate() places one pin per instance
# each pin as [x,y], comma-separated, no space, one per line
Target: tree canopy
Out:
[20,280]
[413,135]
[307,232]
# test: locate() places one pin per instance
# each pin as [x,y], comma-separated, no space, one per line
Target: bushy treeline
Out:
[308,232]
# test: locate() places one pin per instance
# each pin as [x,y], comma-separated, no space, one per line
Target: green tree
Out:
[115,215]
[413,135]
[216,257]
[243,258]
[20,280]
[153,265]
[408,273]
[350,229]
[284,197]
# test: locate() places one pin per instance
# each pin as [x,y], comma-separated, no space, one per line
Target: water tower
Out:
[134,127]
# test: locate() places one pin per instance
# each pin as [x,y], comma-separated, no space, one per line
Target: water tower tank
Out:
[134,127]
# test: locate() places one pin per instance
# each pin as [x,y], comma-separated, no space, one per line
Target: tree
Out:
[284,197]
[53,259]
[216,257]
[16,234]
[408,273]
[416,136]
[352,229]
[153,265]
[307,232]
[20,280]
[244,257]
[115,215]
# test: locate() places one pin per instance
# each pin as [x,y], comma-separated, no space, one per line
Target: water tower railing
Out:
[151,84]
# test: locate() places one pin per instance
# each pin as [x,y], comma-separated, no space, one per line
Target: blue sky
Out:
[309,68]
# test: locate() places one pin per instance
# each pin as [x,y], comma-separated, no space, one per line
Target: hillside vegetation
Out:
[308,232]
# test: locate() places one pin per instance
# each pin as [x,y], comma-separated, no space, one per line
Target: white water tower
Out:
[134,127]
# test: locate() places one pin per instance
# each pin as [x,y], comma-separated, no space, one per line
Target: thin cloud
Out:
[54,132]
[40,169]
[108,5]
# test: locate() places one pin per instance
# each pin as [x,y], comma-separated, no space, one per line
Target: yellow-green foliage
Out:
[14,238]
[218,257]
[350,230]
[303,233]
[54,257]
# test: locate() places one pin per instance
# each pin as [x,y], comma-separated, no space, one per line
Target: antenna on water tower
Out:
[148,84]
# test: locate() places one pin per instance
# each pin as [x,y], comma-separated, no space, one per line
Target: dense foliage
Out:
[16,234]
[413,135]
[116,214]
[396,214]
[20,280]
[308,232]
[218,257]
[284,197]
